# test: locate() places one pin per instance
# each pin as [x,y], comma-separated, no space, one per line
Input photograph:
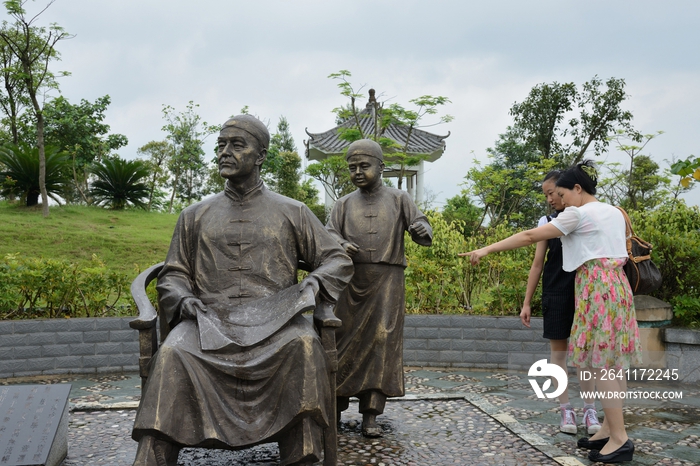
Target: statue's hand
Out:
[310,281]
[351,248]
[190,306]
[417,228]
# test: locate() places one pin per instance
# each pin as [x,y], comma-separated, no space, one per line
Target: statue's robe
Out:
[370,340]
[230,250]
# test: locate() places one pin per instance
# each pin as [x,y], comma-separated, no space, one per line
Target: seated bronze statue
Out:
[240,365]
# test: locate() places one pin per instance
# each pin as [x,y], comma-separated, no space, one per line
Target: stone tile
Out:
[450,333]
[415,344]
[440,345]
[123,335]
[82,349]
[110,323]
[96,336]
[7,327]
[69,337]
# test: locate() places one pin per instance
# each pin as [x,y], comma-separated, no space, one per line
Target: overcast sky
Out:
[275,56]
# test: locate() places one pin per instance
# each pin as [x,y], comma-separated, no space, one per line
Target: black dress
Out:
[557,293]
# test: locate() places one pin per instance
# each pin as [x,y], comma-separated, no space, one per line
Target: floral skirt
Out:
[604,333]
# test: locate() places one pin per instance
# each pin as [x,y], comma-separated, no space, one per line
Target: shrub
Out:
[674,231]
[21,174]
[33,287]
[435,277]
[440,282]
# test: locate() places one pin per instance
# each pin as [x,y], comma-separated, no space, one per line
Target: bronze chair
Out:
[149,341]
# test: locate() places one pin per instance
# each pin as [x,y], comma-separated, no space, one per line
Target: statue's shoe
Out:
[372,432]
[166,453]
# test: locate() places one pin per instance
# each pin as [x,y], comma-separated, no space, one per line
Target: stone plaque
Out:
[33,424]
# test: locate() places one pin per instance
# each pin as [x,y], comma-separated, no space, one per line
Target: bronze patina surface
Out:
[259,376]
[370,224]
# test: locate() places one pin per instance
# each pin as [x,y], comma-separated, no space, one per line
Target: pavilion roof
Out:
[322,145]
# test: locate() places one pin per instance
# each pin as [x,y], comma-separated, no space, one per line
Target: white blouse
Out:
[593,231]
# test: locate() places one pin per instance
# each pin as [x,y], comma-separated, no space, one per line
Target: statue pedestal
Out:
[34,424]
[652,316]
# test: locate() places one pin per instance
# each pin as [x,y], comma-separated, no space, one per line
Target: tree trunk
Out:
[42,157]
[32,198]
[77,184]
[172,196]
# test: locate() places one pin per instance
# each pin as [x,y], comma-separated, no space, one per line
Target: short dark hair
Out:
[553,175]
[583,174]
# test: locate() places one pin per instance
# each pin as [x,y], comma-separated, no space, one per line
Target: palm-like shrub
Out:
[19,170]
[120,183]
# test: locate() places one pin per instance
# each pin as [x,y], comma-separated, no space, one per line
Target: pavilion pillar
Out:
[419,182]
[328,198]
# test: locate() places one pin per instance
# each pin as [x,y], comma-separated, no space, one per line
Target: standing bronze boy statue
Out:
[370,224]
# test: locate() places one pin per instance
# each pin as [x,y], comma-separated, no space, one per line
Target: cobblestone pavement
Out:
[436,433]
[448,417]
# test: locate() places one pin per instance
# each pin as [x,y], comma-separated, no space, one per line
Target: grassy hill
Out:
[126,241]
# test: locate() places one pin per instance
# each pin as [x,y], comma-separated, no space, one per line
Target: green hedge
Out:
[674,231]
[440,282]
[437,281]
[34,287]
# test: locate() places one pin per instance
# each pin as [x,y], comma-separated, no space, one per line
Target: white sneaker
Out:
[590,420]
[568,420]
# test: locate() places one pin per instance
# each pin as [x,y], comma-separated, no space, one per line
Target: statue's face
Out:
[239,154]
[365,171]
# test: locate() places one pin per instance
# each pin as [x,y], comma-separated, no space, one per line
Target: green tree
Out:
[186,133]
[158,153]
[282,168]
[539,117]
[508,187]
[688,170]
[13,96]
[273,171]
[640,186]
[461,211]
[81,132]
[564,123]
[397,153]
[332,172]
[34,48]
[21,172]
[120,183]
[410,120]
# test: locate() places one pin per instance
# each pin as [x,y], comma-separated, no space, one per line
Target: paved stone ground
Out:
[449,417]
[436,433]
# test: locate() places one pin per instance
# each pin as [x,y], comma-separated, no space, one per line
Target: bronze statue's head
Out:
[365,147]
[366,164]
[251,125]
[242,147]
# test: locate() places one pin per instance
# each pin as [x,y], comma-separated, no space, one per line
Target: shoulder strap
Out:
[628,222]
[628,231]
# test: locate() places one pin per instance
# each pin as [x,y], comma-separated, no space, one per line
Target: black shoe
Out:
[624,453]
[589,444]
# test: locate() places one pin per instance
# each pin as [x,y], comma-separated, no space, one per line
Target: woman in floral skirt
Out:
[604,337]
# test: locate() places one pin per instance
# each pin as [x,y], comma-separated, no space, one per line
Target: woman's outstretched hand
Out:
[474,256]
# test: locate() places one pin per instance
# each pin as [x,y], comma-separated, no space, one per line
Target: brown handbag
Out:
[642,273]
